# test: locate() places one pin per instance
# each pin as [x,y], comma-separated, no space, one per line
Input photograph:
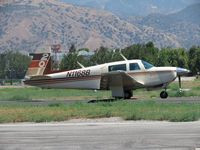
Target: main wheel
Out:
[163,94]
[128,94]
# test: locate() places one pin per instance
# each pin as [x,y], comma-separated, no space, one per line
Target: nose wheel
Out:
[163,95]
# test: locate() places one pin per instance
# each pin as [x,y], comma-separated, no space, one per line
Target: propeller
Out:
[181,72]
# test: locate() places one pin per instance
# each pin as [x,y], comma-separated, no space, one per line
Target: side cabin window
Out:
[121,67]
[134,66]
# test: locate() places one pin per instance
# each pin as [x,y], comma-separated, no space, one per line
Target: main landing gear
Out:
[128,94]
[119,92]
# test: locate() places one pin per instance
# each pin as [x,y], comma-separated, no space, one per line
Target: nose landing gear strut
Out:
[164,93]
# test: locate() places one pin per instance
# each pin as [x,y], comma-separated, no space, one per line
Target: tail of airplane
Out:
[40,65]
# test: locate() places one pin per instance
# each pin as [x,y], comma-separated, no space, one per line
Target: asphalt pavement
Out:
[107,135]
[69,101]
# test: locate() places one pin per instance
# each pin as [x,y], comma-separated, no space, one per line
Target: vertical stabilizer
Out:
[40,65]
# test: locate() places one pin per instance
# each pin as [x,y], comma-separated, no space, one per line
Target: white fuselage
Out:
[90,77]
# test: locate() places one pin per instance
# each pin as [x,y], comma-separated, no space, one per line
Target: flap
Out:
[121,78]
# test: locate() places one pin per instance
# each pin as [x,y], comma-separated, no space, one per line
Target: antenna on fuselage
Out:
[80,65]
[123,56]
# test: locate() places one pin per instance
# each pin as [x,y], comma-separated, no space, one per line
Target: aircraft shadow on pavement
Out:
[103,100]
[110,100]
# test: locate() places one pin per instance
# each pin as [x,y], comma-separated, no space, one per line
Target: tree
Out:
[102,55]
[13,64]
[194,59]
[145,52]
[69,61]
[173,57]
[72,49]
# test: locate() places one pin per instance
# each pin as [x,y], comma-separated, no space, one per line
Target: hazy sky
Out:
[136,7]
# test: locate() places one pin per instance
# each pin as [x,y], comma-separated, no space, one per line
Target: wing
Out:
[119,79]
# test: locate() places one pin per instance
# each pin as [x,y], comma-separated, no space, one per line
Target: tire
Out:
[128,94]
[163,95]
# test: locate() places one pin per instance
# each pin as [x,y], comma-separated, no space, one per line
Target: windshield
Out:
[147,65]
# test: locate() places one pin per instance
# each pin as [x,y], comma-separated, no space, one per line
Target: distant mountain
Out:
[33,25]
[177,17]
[185,24]
[125,8]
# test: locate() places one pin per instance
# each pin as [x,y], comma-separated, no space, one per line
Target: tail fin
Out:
[40,65]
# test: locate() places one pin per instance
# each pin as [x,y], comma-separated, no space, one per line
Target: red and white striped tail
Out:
[40,65]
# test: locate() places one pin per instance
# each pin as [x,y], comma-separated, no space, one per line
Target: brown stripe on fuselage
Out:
[60,80]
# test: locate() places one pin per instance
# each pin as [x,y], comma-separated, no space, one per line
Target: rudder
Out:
[40,65]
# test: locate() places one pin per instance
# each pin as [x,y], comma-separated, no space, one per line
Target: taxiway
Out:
[109,135]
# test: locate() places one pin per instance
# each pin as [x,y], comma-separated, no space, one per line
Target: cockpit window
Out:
[121,67]
[147,65]
[134,66]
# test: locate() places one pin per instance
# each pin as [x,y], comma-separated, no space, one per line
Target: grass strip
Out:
[139,110]
[32,93]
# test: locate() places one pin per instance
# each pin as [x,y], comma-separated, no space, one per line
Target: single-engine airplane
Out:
[120,77]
